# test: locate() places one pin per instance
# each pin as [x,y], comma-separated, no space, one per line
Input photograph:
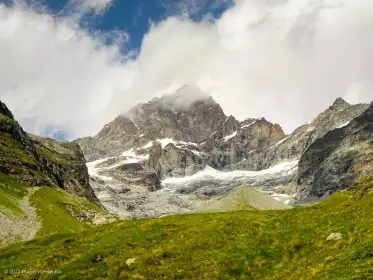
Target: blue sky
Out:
[135,16]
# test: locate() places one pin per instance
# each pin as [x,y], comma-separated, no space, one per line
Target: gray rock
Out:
[334,236]
[334,161]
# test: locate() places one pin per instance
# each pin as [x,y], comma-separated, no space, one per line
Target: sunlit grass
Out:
[288,244]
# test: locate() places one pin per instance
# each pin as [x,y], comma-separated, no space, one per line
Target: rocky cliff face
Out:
[212,137]
[293,146]
[335,160]
[169,117]
[36,161]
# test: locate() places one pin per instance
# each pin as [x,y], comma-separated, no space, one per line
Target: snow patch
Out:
[343,125]
[164,142]
[226,138]
[133,157]
[93,170]
[279,142]
[147,146]
[134,123]
[248,125]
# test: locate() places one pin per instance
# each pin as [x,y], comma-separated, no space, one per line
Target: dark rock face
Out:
[293,146]
[226,152]
[334,161]
[5,111]
[36,161]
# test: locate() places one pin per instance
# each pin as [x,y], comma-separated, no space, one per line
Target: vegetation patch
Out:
[61,212]
[11,194]
[11,150]
[55,156]
[243,198]
[362,186]
[287,244]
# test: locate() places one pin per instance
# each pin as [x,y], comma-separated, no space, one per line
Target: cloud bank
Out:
[284,60]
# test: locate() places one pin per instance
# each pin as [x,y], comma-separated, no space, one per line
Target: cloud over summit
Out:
[283,60]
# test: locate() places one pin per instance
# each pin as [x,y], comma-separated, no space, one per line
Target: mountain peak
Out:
[184,97]
[339,102]
[5,111]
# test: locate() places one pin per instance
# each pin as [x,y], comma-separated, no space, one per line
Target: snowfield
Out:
[211,173]
[210,182]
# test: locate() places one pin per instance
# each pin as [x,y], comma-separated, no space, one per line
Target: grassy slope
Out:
[11,193]
[55,207]
[288,244]
[243,198]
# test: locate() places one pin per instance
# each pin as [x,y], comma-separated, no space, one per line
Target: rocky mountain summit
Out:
[216,139]
[165,155]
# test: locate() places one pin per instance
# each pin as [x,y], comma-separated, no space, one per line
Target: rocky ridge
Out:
[35,161]
[337,159]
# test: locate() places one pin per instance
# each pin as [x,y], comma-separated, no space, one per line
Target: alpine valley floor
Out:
[329,240]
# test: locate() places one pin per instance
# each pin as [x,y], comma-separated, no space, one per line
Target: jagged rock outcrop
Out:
[247,137]
[292,146]
[173,161]
[334,161]
[113,138]
[36,161]
[5,111]
[171,116]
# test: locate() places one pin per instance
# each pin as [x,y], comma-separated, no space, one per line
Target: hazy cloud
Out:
[86,6]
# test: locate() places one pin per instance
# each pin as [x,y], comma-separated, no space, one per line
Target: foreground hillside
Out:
[26,213]
[44,185]
[290,244]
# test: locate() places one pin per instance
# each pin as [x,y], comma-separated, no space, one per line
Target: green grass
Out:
[289,244]
[11,194]
[54,156]
[55,209]
[362,186]
[11,149]
[243,198]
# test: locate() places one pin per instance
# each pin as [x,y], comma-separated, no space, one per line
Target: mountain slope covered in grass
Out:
[330,240]
[44,185]
[28,212]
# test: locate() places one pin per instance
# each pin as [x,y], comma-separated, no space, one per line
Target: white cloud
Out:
[284,60]
[53,74]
